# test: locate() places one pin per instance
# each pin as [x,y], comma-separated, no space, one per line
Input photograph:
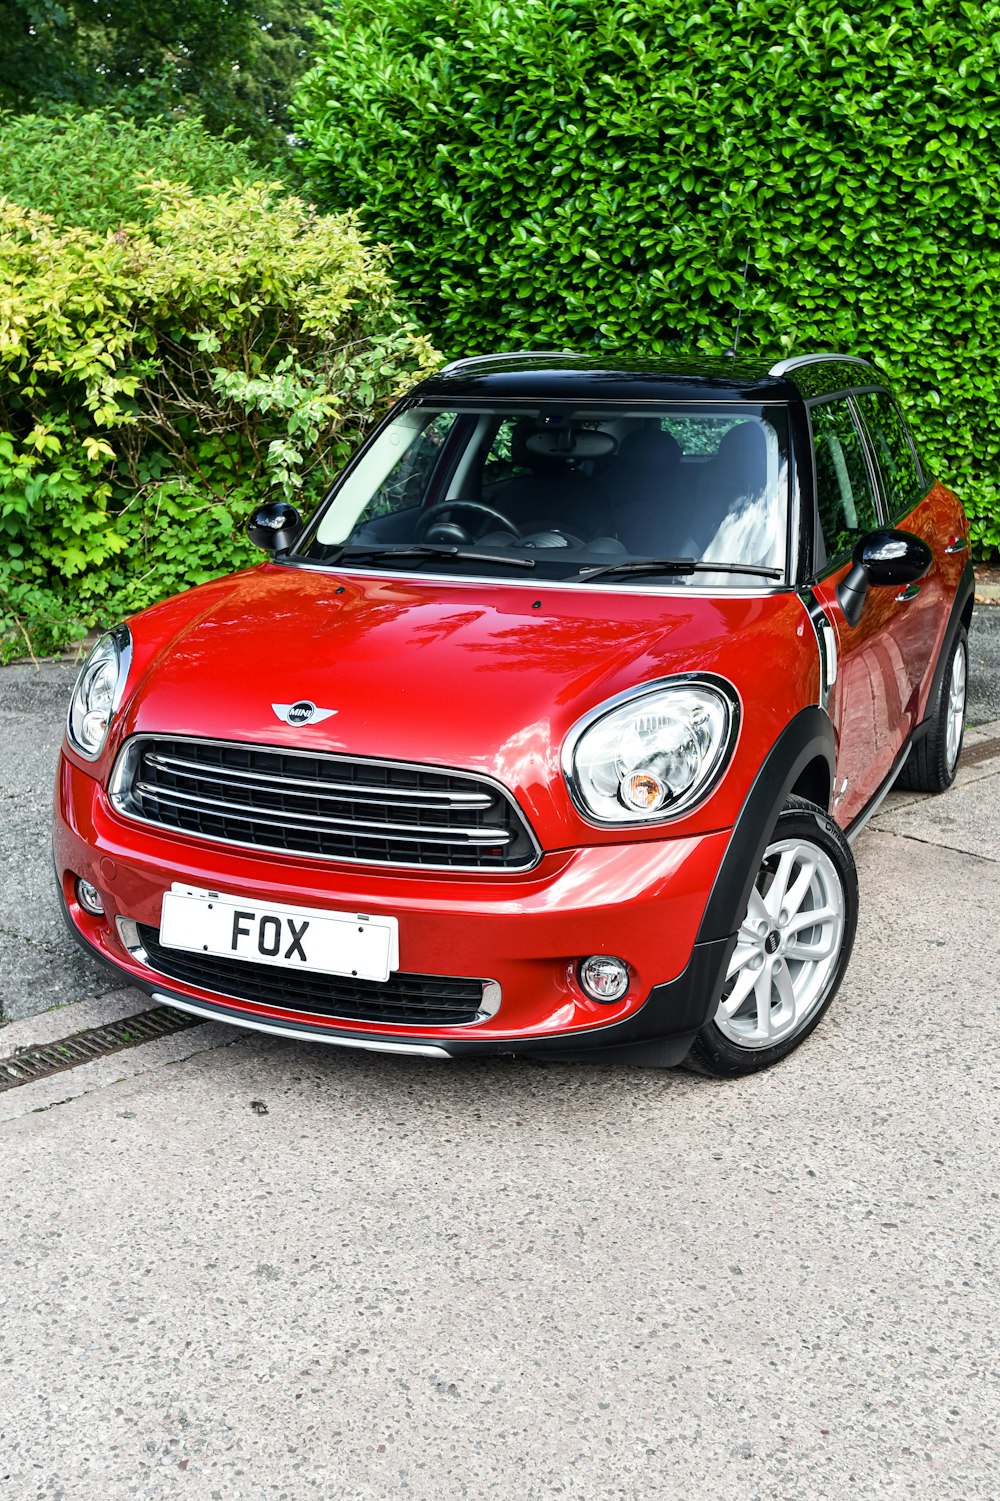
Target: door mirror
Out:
[275,526]
[883,559]
[890,557]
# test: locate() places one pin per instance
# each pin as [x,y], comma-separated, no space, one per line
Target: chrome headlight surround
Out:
[652,753]
[97,693]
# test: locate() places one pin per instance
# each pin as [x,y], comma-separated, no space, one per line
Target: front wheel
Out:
[792,948]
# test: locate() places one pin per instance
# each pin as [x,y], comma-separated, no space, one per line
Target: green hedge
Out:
[592,175]
[158,382]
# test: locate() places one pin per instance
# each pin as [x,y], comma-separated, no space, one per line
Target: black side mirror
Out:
[274,527]
[883,559]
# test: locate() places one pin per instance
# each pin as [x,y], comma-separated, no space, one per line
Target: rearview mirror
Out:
[881,559]
[274,526]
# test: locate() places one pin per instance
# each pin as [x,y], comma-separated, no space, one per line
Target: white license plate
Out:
[331,943]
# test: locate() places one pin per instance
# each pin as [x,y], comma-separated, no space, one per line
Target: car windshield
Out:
[596,493]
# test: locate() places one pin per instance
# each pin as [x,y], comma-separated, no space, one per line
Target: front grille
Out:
[332,807]
[412,1000]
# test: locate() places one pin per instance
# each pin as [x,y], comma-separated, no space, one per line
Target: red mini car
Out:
[547,733]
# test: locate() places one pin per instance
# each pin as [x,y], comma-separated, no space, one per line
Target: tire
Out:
[774,996]
[933,761]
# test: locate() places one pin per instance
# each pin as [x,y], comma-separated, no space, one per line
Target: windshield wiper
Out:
[430,550]
[675,566]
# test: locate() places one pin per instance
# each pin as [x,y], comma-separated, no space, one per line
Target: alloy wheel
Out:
[957,689]
[788,946]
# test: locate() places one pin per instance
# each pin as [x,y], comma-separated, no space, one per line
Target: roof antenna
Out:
[730,354]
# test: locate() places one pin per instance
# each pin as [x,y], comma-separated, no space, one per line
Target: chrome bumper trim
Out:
[422,1050]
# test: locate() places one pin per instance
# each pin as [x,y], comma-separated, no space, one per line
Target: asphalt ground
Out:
[235,1267]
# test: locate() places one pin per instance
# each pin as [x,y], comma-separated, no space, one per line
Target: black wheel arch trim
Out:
[806,738]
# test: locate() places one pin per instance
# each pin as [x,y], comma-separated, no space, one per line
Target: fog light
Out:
[89,897]
[604,979]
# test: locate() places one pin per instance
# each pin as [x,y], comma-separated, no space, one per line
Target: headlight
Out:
[652,754]
[98,692]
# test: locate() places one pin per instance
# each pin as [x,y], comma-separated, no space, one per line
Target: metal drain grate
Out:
[29,1064]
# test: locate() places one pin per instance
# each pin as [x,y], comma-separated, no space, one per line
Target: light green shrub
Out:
[159,382]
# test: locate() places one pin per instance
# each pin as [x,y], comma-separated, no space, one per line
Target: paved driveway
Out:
[232,1267]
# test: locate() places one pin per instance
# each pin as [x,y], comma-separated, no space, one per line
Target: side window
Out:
[500,463]
[891,442]
[844,496]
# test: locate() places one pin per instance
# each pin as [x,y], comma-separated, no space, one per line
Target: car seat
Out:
[730,482]
[645,478]
[553,494]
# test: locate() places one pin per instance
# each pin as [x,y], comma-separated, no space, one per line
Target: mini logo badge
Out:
[303,712]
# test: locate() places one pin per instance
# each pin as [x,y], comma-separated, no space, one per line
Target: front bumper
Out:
[641,901]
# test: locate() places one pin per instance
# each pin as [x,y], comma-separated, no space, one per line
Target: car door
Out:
[915,626]
[867,702]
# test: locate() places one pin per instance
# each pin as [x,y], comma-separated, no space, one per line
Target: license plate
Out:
[330,943]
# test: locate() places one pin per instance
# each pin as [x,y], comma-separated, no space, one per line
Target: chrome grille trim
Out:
[242,813]
[481,830]
[414,799]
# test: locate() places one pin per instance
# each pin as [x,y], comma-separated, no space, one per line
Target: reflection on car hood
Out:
[483,676]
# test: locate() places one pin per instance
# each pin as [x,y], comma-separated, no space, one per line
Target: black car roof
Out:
[558,375]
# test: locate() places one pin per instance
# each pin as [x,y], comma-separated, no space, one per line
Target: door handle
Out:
[957,544]
[905,595]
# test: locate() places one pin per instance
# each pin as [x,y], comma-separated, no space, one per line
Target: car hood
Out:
[479,676]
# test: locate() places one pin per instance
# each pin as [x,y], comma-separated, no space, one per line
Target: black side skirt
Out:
[962,601]
[873,804]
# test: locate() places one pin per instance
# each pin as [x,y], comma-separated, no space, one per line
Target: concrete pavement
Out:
[984,654]
[259,1270]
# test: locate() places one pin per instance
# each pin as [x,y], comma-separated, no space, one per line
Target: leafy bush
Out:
[86,169]
[594,173]
[236,63]
[159,382]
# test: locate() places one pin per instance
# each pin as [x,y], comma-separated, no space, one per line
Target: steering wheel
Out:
[552,537]
[426,518]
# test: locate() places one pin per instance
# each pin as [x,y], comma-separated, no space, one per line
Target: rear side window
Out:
[893,450]
[844,497]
